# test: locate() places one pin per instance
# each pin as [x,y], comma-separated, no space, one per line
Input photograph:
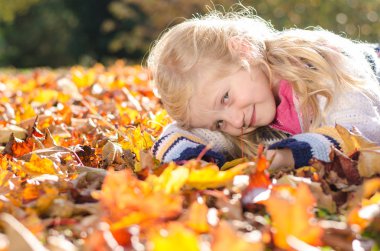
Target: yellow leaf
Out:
[136,142]
[171,180]
[44,96]
[210,176]
[353,141]
[81,77]
[233,163]
[26,112]
[38,165]
[174,237]
[349,141]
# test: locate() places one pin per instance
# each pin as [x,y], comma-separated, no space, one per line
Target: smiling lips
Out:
[253,117]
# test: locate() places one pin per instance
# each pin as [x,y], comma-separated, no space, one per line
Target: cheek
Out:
[233,131]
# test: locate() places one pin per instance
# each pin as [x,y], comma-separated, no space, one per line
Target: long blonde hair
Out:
[316,62]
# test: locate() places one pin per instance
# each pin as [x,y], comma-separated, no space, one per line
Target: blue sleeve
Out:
[179,146]
[306,146]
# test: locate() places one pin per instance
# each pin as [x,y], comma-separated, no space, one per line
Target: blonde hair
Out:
[316,62]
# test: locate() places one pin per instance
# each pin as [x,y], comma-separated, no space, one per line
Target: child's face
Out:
[236,104]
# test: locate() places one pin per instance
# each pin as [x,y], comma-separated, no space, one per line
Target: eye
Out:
[225,98]
[219,124]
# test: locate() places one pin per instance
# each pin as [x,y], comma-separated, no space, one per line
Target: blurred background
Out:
[58,33]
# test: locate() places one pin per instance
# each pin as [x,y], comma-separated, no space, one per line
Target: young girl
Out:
[232,80]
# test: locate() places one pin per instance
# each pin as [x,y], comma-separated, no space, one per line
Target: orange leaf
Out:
[259,180]
[17,147]
[197,217]
[260,177]
[128,201]
[290,210]
[363,214]
[226,238]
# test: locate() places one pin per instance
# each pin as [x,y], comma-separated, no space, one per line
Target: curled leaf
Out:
[210,176]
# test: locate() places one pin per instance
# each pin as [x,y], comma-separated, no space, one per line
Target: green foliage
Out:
[9,9]
[39,37]
[63,32]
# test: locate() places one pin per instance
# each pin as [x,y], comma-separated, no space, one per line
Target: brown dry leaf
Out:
[85,183]
[111,152]
[20,238]
[342,170]
[7,130]
[48,140]
[87,155]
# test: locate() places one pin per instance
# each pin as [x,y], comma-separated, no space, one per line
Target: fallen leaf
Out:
[174,237]
[38,165]
[352,141]
[127,201]
[291,214]
[16,147]
[111,153]
[20,238]
[323,200]
[197,217]
[226,238]
[368,163]
[7,130]
[209,176]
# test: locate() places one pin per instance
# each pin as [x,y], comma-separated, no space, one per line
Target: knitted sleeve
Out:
[177,144]
[306,146]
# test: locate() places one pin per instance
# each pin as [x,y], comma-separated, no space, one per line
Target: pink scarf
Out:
[287,118]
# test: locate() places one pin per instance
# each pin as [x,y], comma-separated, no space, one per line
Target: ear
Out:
[239,46]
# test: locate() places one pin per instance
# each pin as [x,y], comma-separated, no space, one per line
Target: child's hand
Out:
[282,158]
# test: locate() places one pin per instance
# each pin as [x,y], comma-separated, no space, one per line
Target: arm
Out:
[299,149]
[177,144]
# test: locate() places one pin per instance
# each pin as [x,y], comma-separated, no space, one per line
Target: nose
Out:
[235,118]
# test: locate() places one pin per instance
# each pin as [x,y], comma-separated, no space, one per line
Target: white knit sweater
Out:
[354,109]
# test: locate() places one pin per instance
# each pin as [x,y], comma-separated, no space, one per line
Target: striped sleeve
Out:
[176,144]
[306,146]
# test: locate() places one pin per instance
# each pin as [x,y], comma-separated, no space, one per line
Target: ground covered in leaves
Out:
[76,174]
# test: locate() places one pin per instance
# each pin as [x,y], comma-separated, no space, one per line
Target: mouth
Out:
[253,117]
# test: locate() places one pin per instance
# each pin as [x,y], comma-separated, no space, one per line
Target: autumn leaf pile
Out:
[76,173]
